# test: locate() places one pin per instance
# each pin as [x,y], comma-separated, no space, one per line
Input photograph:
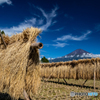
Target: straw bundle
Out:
[80,69]
[19,64]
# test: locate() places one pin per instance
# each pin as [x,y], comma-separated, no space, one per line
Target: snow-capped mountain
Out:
[75,55]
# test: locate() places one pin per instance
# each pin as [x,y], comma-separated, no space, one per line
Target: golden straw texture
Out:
[19,65]
[80,69]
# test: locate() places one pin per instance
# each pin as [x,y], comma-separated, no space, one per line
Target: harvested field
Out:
[66,77]
[52,90]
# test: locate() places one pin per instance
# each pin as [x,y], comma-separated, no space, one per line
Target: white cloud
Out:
[54,22]
[31,21]
[20,27]
[36,15]
[56,29]
[52,58]
[76,38]
[60,44]
[66,38]
[48,58]
[35,22]
[57,44]
[5,1]
[49,17]
[16,29]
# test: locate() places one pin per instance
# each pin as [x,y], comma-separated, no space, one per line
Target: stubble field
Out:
[54,90]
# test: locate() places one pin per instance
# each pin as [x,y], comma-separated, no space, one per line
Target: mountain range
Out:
[75,55]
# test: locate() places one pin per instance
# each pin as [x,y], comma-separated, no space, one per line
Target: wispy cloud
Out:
[49,18]
[57,44]
[59,29]
[19,28]
[9,2]
[41,22]
[75,38]
[65,39]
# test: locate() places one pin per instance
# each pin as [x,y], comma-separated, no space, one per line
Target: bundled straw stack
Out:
[80,69]
[19,64]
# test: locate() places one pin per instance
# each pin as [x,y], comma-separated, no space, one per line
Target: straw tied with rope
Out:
[19,64]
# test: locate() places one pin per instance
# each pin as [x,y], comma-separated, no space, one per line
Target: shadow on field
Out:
[5,96]
[71,84]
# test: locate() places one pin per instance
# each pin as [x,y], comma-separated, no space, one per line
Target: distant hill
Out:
[75,55]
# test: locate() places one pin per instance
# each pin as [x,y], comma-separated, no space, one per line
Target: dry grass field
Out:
[52,90]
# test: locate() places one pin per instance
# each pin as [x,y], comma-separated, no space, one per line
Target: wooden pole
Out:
[94,63]
[37,45]
[3,39]
[26,95]
[64,80]
[94,78]
[49,77]
[84,82]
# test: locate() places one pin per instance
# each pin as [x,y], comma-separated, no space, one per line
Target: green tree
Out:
[2,32]
[44,59]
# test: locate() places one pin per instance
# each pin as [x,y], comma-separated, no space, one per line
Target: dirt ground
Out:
[54,90]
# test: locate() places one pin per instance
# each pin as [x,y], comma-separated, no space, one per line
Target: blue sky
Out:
[66,25]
